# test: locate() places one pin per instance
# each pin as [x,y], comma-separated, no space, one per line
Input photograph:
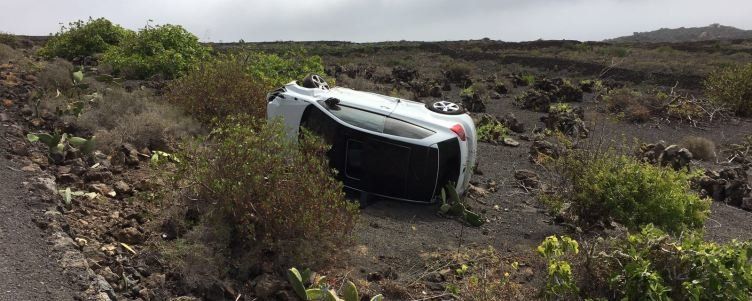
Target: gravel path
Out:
[28,268]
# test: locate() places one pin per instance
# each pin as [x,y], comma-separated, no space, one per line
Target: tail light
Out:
[460,131]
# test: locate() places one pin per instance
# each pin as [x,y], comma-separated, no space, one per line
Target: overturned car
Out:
[381,145]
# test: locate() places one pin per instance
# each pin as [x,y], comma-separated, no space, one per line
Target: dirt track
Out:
[28,267]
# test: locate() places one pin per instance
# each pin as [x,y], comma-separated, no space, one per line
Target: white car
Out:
[382,145]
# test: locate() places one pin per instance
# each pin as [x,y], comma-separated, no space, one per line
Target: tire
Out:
[445,107]
[315,81]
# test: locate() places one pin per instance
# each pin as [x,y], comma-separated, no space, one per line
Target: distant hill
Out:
[683,34]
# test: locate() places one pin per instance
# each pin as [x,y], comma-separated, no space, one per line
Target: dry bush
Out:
[701,148]
[218,89]
[634,105]
[56,75]
[135,118]
[8,54]
[279,195]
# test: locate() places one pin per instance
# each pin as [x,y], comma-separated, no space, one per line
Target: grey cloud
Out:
[378,20]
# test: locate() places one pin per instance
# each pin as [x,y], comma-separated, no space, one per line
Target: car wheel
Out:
[445,107]
[315,81]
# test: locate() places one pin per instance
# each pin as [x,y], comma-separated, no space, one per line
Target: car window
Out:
[360,118]
[404,129]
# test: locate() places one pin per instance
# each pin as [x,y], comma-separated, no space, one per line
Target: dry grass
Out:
[56,75]
[138,119]
[635,106]
[8,54]
[701,148]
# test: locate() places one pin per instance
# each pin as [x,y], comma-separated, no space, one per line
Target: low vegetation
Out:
[136,118]
[166,50]
[219,88]
[651,265]
[701,148]
[84,38]
[319,290]
[278,196]
[604,187]
[276,70]
[491,130]
[56,76]
[732,86]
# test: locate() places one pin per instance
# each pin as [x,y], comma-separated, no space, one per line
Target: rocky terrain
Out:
[92,227]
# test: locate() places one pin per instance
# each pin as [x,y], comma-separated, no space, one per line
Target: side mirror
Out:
[331,102]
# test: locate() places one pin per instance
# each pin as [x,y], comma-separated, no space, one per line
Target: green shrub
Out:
[491,130]
[529,79]
[560,282]
[8,39]
[605,187]
[652,265]
[167,50]
[732,86]
[458,73]
[279,194]
[277,70]
[219,88]
[84,38]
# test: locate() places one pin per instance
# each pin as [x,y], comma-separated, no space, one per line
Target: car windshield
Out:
[377,122]
[360,118]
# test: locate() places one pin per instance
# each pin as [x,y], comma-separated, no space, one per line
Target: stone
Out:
[527,178]
[374,277]
[46,184]
[434,277]
[130,235]
[67,179]
[266,286]
[511,122]
[97,175]
[131,154]
[102,189]
[747,204]
[123,188]
[510,142]
[109,275]
[103,286]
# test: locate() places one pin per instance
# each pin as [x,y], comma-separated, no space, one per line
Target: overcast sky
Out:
[381,20]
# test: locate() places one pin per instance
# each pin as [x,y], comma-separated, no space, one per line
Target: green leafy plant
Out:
[653,265]
[169,50]
[158,157]
[60,144]
[319,290]
[603,186]
[452,204]
[529,79]
[276,70]
[491,130]
[560,281]
[84,38]
[732,86]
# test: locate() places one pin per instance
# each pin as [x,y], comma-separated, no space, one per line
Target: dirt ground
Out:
[395,243]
